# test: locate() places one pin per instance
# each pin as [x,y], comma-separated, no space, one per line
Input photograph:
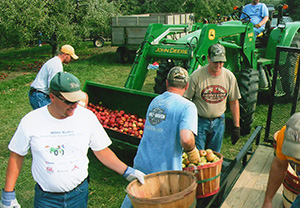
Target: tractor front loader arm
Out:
[152,47]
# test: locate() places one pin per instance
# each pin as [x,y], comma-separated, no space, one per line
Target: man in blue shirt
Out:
[259,15]
[171,123]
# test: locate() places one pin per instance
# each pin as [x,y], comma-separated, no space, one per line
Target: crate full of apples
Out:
[119,120]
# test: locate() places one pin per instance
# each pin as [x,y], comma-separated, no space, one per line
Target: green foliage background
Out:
[69,21]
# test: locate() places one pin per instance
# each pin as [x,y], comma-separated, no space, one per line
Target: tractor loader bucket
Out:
[117,98]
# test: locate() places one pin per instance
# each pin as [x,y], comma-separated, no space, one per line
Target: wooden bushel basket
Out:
[165,189]
[291,187]
[208,177]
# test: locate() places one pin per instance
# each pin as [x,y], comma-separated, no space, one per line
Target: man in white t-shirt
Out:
[59,136]
[39,89]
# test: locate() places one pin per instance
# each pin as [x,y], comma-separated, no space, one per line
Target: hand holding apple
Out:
[194,156]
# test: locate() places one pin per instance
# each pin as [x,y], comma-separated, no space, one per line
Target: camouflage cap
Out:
[178,74]
[216,53]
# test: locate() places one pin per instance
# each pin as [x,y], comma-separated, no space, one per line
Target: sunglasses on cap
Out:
[66,101]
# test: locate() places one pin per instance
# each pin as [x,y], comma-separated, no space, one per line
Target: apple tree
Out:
[94,17]
[24,22]
[20,21]
[211,9]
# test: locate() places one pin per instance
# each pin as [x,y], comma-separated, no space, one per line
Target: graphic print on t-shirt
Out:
[214,94]
[60,151]
[57,151]
[156,115]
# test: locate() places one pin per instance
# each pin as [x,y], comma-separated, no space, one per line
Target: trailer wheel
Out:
[289,72]
[99,42]
[123,55]
[161,76]
[248,85]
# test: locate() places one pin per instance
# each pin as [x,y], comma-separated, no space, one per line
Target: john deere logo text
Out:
[156,116]
[214,94]
[171,50]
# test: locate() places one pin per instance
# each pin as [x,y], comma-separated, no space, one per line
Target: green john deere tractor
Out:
[251,60]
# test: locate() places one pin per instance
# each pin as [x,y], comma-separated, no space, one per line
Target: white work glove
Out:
[130,174]
[8,200]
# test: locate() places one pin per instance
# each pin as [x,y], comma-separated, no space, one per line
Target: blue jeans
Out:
[76,198]
[296,203]
[38,99]
[126,203]
[210,133]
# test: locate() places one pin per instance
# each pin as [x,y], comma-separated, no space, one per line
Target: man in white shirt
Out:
[39,89]
[59,136]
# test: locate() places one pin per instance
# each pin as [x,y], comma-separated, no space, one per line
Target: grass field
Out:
[18,69]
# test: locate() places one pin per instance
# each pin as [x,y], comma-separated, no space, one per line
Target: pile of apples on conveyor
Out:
[119,120]
[206,156]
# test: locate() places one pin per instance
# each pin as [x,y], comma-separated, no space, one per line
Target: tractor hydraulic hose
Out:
[191,50]
[230,45]
[143,44]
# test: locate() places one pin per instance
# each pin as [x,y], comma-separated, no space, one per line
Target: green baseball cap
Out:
[216,53]
[178,74]
[68,86]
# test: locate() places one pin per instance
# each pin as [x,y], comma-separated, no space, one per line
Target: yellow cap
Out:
[69,50]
